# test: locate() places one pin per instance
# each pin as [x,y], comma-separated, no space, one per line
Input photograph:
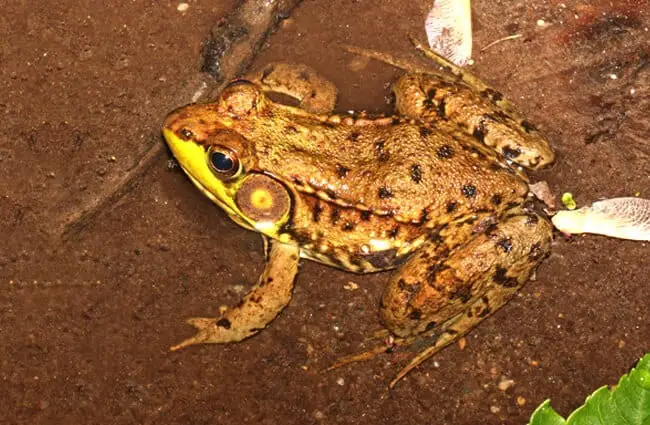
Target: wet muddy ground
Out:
[85,324]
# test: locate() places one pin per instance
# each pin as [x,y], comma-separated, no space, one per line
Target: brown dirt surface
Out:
[86,324]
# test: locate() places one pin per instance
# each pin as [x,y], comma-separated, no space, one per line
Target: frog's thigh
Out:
[258,308]
[314,92]
[429,293]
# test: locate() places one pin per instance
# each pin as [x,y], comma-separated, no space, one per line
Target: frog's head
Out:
[221,162]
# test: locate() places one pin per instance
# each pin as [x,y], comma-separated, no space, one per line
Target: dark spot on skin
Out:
[469,191]
[435,237]
[445,151]
[496,199]
[223,323]
[330,193]
[424,131]
[416,173]
[492,94]
[269,280]
[318,209]
[430,326]
[382,259]
[355,260]
[451,206]
[401,284]
[335,215]
[495,166]
[382,154]
[415,315]
[354,136]
[510,153]
[535,252]
[464,293]
[528,126]
[347,226]
[532,220]
[480,131]
[365,215]
[385,193]
[393,232]
[441,109]
[304,76]
[424,215]
[501,279]
[433,270]
[342,171]
[396,120]
[302,237]
[185,134]
[505,245]
[290,129]
[267,71]
[202,121]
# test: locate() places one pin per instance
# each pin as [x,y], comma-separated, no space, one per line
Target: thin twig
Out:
[510,37]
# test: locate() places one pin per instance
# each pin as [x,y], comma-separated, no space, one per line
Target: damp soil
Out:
[86,323]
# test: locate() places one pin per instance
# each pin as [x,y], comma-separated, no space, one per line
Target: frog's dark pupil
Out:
[221,162]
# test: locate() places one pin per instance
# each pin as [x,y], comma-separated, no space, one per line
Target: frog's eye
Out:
[223,162]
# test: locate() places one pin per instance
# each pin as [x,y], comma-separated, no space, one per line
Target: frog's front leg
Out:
[314,93]
[259,307]
[444,296]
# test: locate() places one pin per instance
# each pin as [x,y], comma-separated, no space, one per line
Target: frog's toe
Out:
[212,331]
[360,357]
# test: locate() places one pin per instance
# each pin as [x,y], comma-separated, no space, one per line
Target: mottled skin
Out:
[421,193]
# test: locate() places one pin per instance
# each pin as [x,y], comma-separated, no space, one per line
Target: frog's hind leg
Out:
[444,298]
[258,308]
[314,93]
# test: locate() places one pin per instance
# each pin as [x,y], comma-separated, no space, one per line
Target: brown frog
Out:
[435,192]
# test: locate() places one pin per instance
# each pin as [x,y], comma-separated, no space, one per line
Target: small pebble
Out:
[521,401]
[505,383]
[351,286]
[541,23]
[340,381]
[495,409]
[182,7]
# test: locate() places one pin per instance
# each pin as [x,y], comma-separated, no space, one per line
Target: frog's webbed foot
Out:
[314,93]
[258,308]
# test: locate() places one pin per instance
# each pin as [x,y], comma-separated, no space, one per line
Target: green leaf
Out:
[627,404]
[545,415]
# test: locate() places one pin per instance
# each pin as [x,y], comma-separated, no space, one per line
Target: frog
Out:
[437,193]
